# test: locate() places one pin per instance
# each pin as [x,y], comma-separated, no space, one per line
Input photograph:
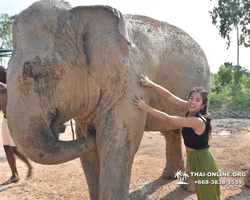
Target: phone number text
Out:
[218,182]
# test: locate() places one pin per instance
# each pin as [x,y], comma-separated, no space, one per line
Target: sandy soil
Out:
[67,181]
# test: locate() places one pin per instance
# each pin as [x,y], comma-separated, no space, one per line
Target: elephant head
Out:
[52,75]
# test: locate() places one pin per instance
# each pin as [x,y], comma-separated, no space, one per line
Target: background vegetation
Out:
[229,98]
[230,93]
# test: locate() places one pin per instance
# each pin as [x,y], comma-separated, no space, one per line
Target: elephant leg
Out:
[190,186]
[118,140]
[90,163]
[91,167]
[174,154]
[247,179]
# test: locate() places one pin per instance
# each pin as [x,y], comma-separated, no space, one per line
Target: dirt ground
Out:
[67,181]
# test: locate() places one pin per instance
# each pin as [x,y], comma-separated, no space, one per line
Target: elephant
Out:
[82,63]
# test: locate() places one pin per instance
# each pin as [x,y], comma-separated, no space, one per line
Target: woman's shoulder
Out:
[203,118]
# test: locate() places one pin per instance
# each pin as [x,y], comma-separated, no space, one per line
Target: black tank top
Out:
[194,141]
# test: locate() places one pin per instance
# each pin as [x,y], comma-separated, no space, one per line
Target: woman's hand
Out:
[139,103]
[144,80]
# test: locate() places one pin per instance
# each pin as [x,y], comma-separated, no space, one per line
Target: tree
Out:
[225,74]
[6,22]
[224,81]
[244,78]
[229,15]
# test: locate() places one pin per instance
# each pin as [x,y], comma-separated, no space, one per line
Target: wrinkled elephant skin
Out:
[82,63]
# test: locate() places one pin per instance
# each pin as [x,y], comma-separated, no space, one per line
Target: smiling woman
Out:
[196,132]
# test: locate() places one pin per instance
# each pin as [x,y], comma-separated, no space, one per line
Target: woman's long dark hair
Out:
[204,111]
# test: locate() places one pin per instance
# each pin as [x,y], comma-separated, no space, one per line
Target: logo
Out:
[182,176]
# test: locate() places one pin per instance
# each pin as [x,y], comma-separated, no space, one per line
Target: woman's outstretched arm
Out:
[193,122]
[145,81]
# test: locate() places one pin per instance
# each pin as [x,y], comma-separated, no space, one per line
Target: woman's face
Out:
[195,102]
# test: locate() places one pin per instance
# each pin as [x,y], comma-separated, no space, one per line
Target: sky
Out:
[190,15]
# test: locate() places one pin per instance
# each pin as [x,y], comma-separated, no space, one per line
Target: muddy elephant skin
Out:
[82,63]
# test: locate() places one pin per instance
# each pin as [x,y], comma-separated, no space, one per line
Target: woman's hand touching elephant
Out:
[140,103]
[144,80]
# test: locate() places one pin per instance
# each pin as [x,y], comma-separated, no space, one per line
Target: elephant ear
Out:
[122,25]
[104,40]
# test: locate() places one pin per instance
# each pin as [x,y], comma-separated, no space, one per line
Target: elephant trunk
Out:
[35,138]
[49,150]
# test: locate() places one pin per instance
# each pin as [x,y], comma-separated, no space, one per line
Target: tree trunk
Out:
[238,66]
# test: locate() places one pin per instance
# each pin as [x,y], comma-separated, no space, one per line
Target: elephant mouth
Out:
[58,125]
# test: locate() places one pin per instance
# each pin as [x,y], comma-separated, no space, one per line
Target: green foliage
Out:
[229,15]
[226,78]
[240,102]
[245,79]
[223,105]
[6,22]
[232,14]
[227,98]
[224,75]
[217,101]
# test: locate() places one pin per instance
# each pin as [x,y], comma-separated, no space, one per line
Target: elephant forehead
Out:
[43,74]
[38,18]
[41,17]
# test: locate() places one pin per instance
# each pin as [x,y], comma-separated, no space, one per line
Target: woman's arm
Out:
[144,80]
[3,95]
[3,89]
[192,122]
[169,96]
